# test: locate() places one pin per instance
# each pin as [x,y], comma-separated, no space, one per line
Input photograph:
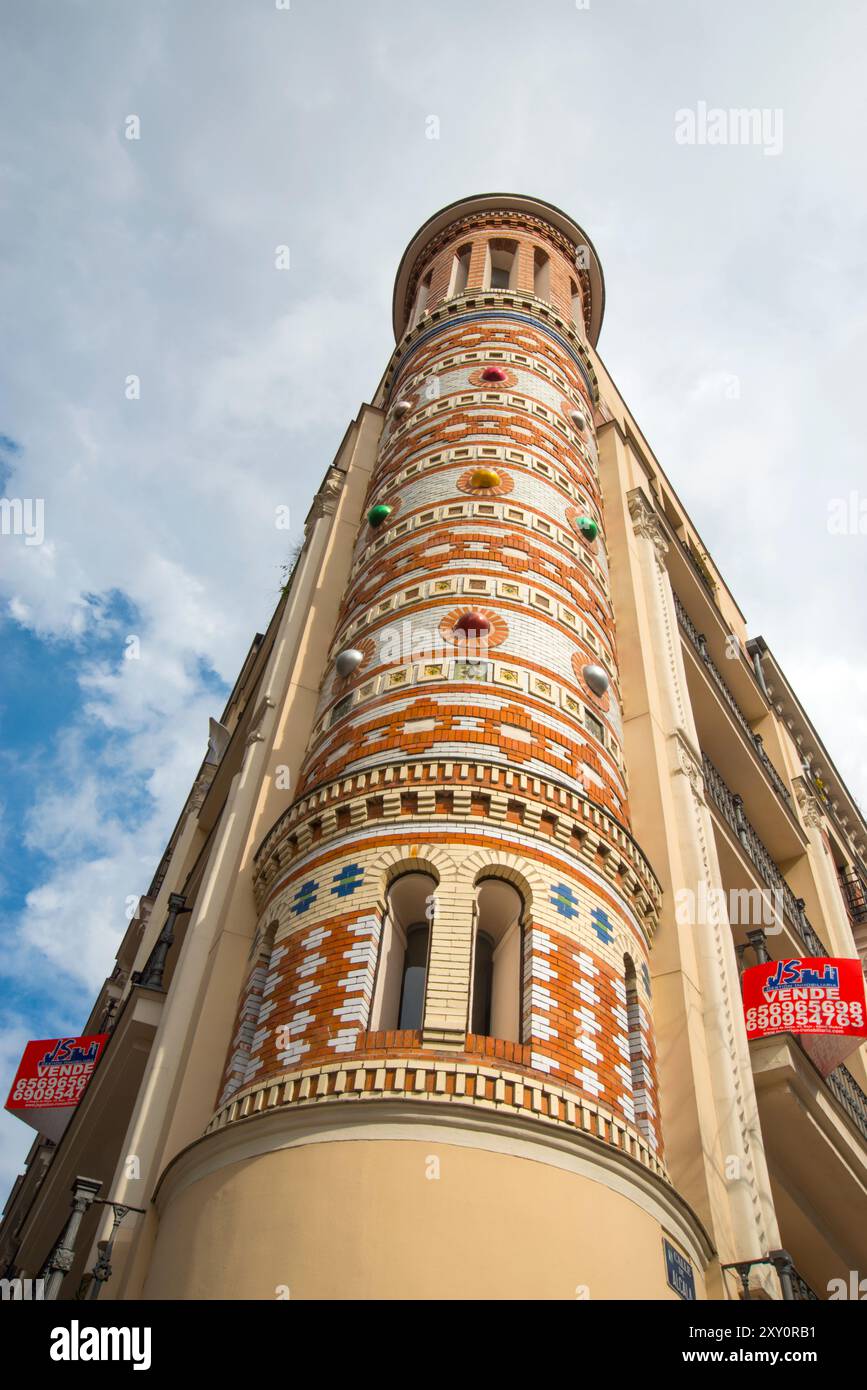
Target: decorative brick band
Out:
[376,797]
[440,1082]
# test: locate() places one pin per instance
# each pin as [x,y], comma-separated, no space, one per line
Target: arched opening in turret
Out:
[421,299]
[460,273]
[502,264]
[541,274]
[577,306]
[401,978]
[495,1004]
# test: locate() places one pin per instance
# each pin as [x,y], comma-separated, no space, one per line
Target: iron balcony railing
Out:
[698,565]
[849,1095]
[855,894]
[699,642]
[841,1083]
[732,807]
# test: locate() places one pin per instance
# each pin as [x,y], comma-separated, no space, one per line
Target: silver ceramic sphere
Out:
[348,660]
[597,679]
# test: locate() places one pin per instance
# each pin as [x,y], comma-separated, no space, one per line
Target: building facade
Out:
[436,991]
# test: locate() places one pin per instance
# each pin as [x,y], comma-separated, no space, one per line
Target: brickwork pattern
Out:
[465,760]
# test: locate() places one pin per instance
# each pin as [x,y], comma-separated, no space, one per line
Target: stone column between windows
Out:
[447,993]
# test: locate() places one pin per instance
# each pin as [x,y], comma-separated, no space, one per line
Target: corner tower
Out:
[450,966]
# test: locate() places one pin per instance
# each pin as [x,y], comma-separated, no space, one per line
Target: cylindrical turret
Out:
[457,872]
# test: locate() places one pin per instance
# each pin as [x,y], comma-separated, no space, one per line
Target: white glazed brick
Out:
[309,967]
[314,939]
[541,1028]
[589,1081]
[541,970]
[540,1063]
[587,992]
[585,964]
[541,998]
[293,1053]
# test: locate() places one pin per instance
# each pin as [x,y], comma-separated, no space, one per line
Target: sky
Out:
[167,382]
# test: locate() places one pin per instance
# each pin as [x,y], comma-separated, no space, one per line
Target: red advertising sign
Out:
[813,997]
[51,1080]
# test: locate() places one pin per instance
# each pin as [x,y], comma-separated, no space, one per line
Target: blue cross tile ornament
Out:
[601,925]
[564,900]
[347,879]
[305,897]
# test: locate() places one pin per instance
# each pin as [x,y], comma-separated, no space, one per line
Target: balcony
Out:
[731,808]
[854,894]
[746,756]
[815,1138]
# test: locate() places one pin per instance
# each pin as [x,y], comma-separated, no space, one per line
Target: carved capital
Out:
[645,523]
[326,499]
[812,812]
[687,760]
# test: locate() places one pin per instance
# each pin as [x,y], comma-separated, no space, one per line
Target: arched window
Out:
[637,1065]
[421,298]
[495,1008]
[541,275]
[401,977]
[502,264]
[577,305]
[460,270]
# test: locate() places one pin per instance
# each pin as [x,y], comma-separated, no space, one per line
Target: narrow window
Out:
[577,305]
[460,270]
[502,266]
[421,298]
[401,975]
[541,275]
[414,977]
[495,1009]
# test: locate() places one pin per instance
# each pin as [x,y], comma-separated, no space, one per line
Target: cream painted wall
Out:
[364,1220]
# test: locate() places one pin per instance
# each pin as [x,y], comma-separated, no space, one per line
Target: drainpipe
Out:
[756,647]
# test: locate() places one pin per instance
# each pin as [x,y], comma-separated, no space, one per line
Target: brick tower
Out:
[453,911]
[456,881]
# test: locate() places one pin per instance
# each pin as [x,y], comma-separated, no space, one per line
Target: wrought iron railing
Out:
[698,565]
[699,642]
[850,1096]
[855,894]
[732,808]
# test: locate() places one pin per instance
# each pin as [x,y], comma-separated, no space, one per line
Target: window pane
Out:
[414,973]
[484,970]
